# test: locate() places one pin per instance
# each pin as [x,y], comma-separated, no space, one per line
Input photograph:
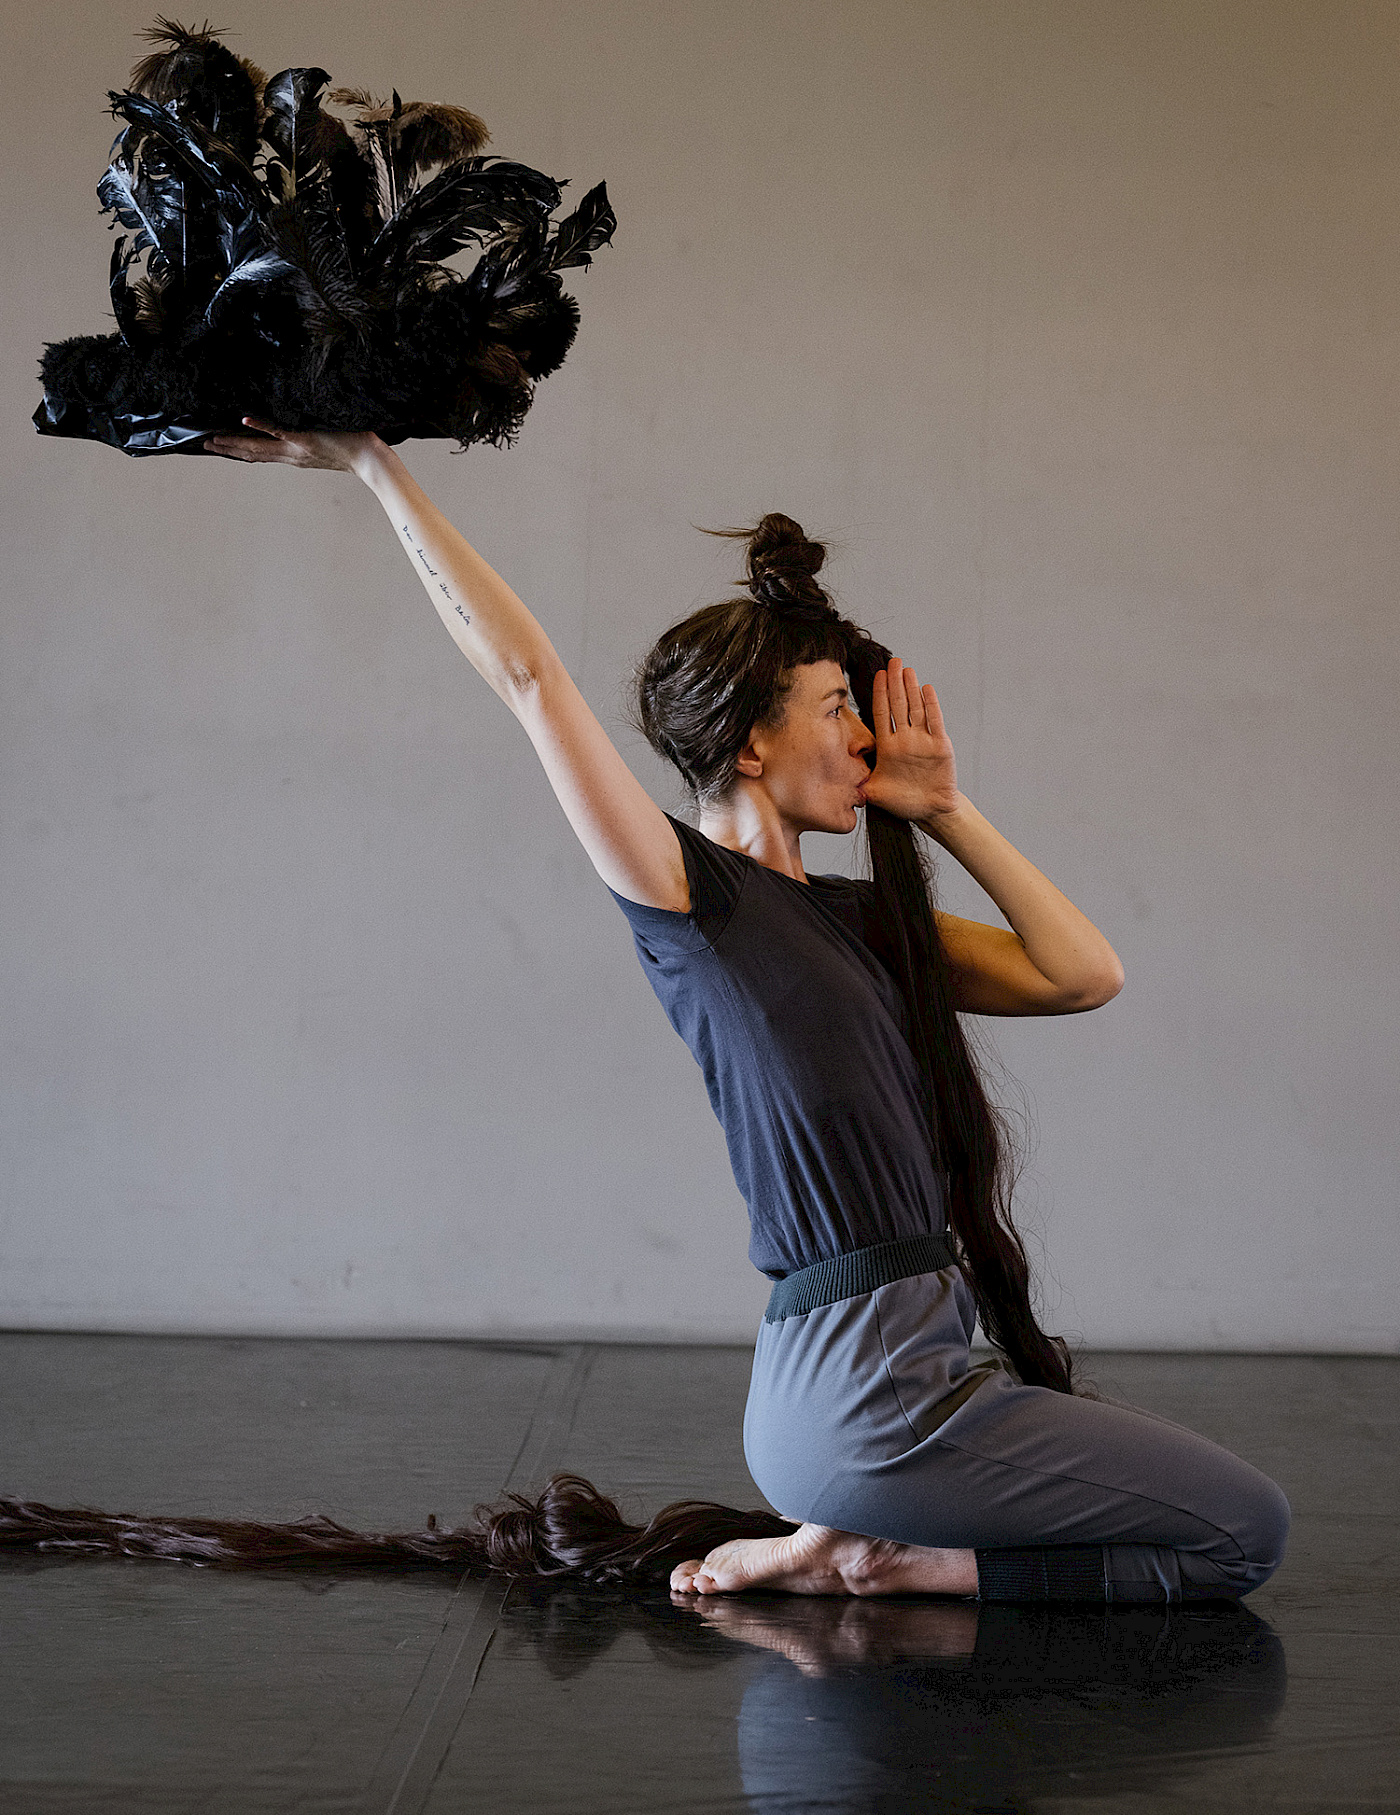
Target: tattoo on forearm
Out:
[432,573]
[408,533]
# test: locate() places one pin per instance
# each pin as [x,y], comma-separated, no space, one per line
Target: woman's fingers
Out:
[897,699]
[240,447]
[899,703]
[913,775]
[914,701]
[893,711]
[265,442]
[880,705]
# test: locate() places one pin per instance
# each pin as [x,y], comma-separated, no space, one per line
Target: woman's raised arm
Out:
[626,835]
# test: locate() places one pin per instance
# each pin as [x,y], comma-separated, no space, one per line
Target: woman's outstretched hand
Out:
[914,775]
[265,442]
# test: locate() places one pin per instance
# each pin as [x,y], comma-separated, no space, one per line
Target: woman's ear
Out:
[749,762]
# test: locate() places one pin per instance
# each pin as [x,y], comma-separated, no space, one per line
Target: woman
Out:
[824,1015]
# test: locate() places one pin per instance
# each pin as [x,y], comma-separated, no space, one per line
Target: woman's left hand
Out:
[914,775]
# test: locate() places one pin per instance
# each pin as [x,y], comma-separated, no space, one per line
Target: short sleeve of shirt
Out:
[715,877]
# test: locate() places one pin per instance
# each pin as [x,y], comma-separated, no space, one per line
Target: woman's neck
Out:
[749,822]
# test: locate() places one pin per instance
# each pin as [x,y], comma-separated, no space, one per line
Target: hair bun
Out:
[783,564]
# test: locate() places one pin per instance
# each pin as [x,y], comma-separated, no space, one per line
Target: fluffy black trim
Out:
[291,265]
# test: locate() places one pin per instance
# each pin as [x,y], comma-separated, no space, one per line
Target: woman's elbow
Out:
[1098,986]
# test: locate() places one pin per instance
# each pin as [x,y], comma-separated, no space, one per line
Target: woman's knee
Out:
[1263,1533]
[1275,1517]
[1253,1535]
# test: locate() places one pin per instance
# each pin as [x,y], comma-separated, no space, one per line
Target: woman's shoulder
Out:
[715,877]
[716,874]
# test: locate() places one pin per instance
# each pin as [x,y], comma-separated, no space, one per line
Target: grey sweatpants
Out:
[868,1415]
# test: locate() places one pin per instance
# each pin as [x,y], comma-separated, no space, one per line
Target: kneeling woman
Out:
[824,1015]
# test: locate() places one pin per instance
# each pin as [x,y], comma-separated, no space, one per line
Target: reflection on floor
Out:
[163,1689]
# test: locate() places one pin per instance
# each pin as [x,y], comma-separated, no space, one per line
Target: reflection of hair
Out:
[699,693]
[571,1627]
[571,1530]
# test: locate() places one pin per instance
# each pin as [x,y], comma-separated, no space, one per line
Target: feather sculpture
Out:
[275,259]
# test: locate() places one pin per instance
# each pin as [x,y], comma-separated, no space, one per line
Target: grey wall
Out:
[1075,326]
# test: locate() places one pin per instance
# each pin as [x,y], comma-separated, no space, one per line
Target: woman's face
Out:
[813,766]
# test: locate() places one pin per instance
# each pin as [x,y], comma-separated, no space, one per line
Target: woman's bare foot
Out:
[815,1559]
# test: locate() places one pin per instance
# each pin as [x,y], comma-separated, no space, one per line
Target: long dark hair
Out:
[701,690]
[572,1530]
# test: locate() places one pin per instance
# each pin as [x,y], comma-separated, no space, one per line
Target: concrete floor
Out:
[175,1691]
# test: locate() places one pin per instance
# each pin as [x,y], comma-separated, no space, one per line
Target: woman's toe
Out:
[683,1576]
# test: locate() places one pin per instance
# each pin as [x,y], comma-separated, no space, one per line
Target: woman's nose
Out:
[861,739]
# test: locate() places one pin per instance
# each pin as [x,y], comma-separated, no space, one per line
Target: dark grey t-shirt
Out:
[801,1033]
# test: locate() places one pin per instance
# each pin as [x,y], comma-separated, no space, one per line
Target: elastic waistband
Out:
[862,1270]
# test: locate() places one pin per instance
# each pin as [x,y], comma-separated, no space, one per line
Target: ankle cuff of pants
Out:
[1061,1573]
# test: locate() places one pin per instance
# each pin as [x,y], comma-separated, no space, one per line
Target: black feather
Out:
[148,200]
[208,192]
[579,235]
[301,137]
[296,269]
[124,297]
[472,202]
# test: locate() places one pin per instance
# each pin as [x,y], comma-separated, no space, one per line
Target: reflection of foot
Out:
[821,1636]
[817,1560]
